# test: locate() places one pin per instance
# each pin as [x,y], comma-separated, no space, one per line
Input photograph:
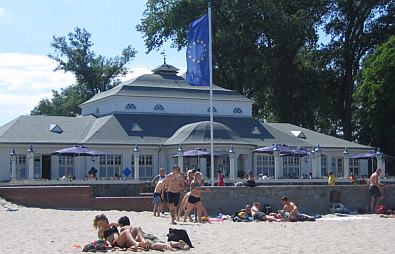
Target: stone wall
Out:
[310,199]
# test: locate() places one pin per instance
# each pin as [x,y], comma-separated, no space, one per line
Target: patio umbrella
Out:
[283,149]
[367,155]
[78,151]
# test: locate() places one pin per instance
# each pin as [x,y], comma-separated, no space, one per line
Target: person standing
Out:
[375,190]
[174,184]
[221,179]
[160,177]
[331,178]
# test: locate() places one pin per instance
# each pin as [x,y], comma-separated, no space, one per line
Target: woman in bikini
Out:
[194,199]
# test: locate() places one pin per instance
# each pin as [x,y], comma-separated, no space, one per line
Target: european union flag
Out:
[198,72]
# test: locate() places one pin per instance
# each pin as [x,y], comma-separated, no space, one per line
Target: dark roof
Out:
[155,129]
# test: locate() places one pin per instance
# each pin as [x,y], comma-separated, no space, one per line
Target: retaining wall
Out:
[310,199]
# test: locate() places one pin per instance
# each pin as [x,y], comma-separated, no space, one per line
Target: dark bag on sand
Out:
[177,235]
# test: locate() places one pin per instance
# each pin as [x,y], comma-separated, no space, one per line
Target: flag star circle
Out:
[197,51]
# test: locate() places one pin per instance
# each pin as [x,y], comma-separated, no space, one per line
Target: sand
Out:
[35,230]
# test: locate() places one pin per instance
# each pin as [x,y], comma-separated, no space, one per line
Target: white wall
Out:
[171,105]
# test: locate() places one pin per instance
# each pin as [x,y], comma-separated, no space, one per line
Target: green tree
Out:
[93,73]
[259,50]
[375,99]
[356,28]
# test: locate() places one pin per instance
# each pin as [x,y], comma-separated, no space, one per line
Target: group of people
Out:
[289,212]
[123,235]
[169,189]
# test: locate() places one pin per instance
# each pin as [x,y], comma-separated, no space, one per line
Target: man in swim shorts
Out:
[375,190]
[174,183]
[290,211]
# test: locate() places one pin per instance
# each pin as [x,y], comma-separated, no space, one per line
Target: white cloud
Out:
[2,11]
[26,79]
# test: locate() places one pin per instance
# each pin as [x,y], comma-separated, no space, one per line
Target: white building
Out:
[146,122]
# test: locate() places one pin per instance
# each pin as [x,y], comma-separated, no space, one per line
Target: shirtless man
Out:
[290,210]
[375,190]
[174,184]
[258,215]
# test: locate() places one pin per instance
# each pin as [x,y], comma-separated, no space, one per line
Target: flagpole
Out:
[210,64]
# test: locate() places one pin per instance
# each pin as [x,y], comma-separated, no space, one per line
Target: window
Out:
[354,167]
[21,166]
[130,106]
[66,166]
[324,164]
[145,166]
[97,111]
[214,110]
[159,107]
[265,165]
[291,167]
[110,165]
[337,166]
[237,111]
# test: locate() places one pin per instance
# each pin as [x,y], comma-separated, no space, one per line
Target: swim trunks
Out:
[151,239]
[156,198]
[375,192]
[173,198]
[193,199]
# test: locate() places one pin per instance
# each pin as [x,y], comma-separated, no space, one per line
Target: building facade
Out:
[149,122]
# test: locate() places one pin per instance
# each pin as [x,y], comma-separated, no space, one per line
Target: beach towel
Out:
[177,235]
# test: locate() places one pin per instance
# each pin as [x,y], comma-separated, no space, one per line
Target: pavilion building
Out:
[149,122]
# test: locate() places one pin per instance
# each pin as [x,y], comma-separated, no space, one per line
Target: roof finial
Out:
[163,53]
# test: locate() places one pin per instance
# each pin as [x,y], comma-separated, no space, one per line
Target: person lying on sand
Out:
[149,241]
[258,215]
[109,232]
[290,211]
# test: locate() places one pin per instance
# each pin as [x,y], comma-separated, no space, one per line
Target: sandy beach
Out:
[35,230]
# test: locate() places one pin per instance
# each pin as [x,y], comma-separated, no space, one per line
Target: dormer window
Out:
[214,110]
[97,111]
[299,134]
[53,127]
[237,111]
[130,106]
[256,131]
[136,127]
[159,107]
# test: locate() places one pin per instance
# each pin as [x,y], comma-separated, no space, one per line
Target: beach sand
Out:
[35,230]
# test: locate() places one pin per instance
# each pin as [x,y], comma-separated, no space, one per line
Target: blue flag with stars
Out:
[198,72]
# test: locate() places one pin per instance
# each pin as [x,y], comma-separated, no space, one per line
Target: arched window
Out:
[214,110]
[237,111]
[130,106]
[159,107]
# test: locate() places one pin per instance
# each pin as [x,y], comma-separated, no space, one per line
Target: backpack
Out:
[267,209]
[177,235]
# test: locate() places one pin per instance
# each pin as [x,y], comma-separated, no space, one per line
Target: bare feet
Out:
[182,245]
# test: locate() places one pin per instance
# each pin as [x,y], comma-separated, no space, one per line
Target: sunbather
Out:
[290,211]
[149,240]
[257,214]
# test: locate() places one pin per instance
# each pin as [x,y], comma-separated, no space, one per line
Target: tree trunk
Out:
[348,91]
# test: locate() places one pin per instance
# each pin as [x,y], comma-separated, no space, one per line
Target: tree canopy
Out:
[93,73]
[375,98]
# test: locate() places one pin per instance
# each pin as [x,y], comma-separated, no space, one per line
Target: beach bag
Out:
[177,235]
[267,209]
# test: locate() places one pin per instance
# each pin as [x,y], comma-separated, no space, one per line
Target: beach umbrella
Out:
[195,153]
[367,155]
[78,151]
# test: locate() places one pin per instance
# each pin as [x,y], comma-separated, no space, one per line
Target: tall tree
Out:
[356,27]
[375,99]
[257,47]
[93,73]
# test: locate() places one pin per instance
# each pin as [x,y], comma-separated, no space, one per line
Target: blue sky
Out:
[26,30]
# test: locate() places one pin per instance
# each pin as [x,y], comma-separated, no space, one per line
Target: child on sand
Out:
[157,198]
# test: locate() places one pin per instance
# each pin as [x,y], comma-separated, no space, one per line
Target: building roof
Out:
[199,133]
[156,129]
[165,83]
